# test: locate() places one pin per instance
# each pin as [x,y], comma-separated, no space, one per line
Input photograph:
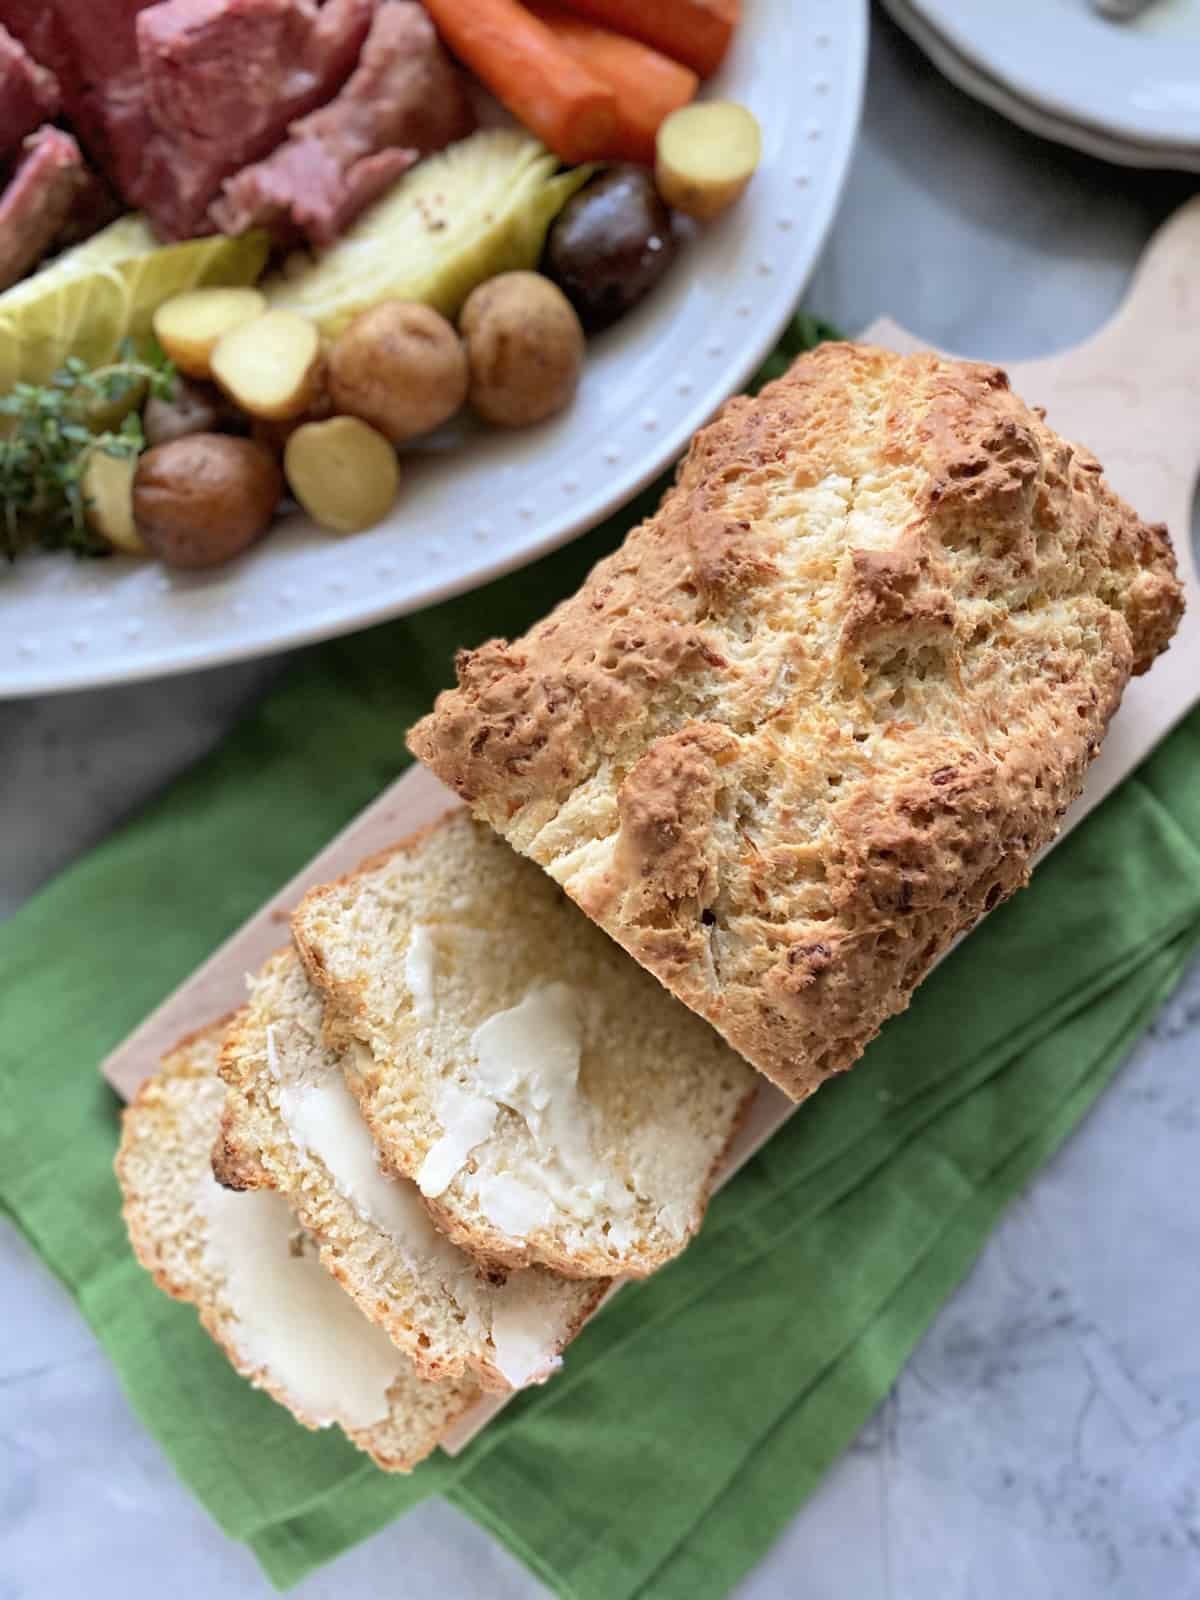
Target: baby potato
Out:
[401,367]
[203,499]
[525,349]
[189,326]
[343,472]
[271,367]
[107,488]
[706,155]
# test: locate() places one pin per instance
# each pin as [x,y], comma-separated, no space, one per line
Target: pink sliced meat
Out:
[38,26]
[405,100]
[28,94]
[328,216]
[37,200]
[223,79]
[302,189]
[91,47]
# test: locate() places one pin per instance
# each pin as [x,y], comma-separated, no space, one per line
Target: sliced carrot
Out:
[647,84]
[570,109]
[696,32]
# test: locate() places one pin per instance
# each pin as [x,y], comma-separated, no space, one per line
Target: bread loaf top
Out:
[820,712]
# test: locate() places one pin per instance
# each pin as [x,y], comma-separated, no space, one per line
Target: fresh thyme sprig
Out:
[45,440]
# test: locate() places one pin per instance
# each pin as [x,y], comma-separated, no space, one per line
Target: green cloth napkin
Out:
[700,1408]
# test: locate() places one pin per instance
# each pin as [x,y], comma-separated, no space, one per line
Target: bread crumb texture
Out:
[169,1190]
[821,711]
[553,1105]
[372,1231]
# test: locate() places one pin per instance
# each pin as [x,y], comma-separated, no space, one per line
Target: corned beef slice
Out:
[327,216]
[91,46]
[405,99]
[35,203]
[171,97]
[38,26]
[302,188]
[28,94]
[223,79]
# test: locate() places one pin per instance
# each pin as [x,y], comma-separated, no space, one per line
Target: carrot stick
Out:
[569,108]
[647,84]
[693,31]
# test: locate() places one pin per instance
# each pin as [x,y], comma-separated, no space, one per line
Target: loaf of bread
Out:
[822,710]
[552,1104]
[252,1274]
[291,1124]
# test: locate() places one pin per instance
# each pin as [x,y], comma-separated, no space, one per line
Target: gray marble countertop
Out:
[1044,1441]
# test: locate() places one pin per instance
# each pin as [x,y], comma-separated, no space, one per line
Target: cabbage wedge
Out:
[480,207]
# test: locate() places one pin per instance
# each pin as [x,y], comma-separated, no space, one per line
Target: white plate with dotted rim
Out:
[495,501]
[1135,83]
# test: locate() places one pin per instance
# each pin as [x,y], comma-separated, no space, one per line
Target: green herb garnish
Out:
[45,442]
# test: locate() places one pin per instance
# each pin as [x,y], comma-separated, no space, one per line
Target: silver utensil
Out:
[1121,10]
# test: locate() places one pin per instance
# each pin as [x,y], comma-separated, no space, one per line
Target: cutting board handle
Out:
[1158,323]
[1131,391]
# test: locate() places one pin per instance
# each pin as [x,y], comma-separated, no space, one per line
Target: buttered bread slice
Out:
[552,1104]
[291,1123]
[822,710]
[253,1275]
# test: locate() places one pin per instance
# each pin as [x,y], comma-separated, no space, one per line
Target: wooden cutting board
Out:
[1131,393]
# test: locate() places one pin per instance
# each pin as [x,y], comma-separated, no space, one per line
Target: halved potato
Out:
[343,472]
[706,155]
[189,326]
[271,367]
[107,486]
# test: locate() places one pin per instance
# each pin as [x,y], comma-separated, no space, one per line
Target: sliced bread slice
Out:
[291,1122]
[551,1101]
[254,1277]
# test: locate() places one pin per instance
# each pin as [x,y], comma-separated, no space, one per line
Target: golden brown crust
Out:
[234,1166]
[821,711]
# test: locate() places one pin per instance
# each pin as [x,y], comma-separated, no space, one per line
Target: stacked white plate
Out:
[1128,92]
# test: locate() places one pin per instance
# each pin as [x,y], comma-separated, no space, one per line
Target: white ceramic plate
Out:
[1138,82]
[989,91]
[474,508]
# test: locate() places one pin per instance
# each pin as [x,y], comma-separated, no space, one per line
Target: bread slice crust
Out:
[434,1302]
[822,710]
[167,1134]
